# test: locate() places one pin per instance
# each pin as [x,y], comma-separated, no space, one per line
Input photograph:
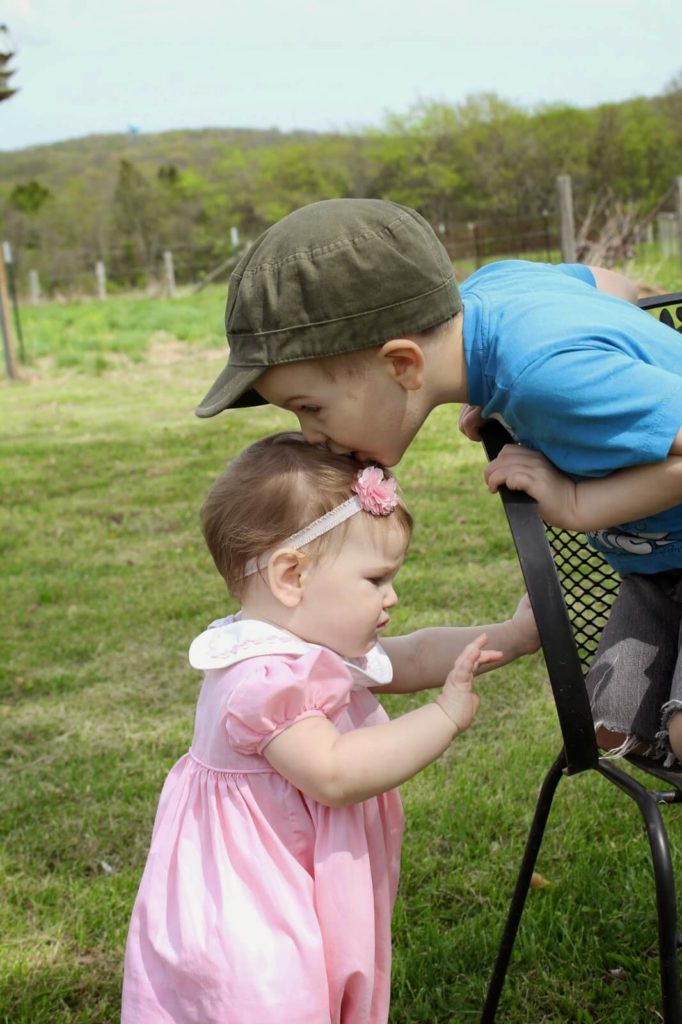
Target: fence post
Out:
[566,222]
[475,234]
[665,223]
[34,287]
[548,237]
[12,283]
[678,211]
[169,274]
[101,275]
[5,323]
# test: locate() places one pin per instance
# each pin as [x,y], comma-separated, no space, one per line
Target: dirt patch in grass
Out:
[164,348]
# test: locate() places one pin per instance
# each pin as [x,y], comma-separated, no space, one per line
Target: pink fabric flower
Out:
[377,493]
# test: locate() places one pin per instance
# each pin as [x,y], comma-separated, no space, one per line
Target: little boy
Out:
[348,314]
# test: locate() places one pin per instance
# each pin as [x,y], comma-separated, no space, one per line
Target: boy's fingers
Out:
[470,421]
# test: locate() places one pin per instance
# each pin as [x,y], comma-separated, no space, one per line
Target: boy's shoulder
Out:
[526,276]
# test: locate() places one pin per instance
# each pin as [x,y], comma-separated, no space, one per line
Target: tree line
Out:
[125,200]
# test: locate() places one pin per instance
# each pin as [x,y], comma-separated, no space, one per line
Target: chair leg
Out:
[530,855]
[666,902]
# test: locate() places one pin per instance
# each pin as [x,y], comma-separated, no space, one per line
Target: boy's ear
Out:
[284,574]
[405,359]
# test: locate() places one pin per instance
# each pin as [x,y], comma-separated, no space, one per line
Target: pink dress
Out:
[259,905]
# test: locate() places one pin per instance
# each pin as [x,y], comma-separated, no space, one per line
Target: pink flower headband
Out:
[374,493]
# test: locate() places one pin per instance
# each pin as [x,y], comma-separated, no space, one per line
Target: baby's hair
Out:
[272,490]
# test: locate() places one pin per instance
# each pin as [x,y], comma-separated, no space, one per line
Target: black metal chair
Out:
[571,590]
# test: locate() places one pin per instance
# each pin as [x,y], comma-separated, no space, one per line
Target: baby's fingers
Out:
[488,657]
[468,661]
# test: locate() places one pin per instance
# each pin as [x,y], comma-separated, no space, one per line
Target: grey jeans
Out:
[635,680]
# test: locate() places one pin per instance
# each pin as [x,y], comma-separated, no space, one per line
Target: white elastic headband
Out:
[298,540]
[374,493]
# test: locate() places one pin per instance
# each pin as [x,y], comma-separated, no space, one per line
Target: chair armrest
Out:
[554,626]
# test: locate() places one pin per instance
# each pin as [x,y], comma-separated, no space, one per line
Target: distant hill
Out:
[126,199]
[196,148]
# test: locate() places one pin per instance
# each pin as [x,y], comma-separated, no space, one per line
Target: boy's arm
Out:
[676,446]
[613,283]
[609,281]
[588,505]
[422,660]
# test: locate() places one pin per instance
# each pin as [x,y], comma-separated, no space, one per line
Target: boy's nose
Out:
[313,436]
[391,598]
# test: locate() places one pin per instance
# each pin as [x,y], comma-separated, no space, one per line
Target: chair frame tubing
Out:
[580,751]
[647,801]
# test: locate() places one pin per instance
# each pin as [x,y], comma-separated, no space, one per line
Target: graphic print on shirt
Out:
[634,544]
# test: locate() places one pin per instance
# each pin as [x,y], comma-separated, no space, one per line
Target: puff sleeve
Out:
[278,691]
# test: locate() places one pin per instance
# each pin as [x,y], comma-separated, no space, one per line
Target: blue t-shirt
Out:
[591,381]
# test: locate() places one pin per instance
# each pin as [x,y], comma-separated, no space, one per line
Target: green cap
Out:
[333,277]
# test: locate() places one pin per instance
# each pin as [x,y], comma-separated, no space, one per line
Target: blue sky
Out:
[88,66]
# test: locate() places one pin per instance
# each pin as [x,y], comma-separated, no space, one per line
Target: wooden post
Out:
[566,222]
[12,284]
[666,233]
[475,234]
[34,287]
[6,323]
[101,275]
[169,274]
[548,236]
[678,211]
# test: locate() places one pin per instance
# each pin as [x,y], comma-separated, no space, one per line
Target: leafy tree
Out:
[136,218]
[632,152]
[29,197]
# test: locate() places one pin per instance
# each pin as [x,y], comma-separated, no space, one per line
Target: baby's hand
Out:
[458,700]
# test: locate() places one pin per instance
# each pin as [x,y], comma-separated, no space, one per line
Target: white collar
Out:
[233,639]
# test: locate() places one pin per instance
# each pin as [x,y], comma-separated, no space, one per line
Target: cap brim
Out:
[232,390]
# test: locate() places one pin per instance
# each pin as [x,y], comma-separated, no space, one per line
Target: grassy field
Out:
[105,583]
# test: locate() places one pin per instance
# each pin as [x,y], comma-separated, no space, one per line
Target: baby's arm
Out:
[596,504]
[421,660]
[337,769]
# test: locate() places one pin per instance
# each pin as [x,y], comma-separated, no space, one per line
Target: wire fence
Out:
[51,273]
[44,274]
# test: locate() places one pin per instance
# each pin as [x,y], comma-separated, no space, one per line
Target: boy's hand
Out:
[525,628]
[470,421]
[458,700]
[521,469]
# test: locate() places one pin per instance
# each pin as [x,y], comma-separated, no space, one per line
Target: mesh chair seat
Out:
[571,589]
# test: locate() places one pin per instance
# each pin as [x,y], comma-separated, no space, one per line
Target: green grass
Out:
[106,582]
[97,336]
[654,271]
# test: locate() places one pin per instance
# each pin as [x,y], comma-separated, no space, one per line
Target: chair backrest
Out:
[667,308]
[570,586]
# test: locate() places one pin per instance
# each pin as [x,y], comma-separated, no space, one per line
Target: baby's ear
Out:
[284,574]
[405,360]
